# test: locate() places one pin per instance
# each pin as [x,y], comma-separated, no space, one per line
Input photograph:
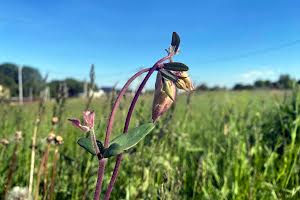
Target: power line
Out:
[253,53]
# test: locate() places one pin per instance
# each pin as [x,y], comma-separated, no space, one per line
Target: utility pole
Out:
[20,85]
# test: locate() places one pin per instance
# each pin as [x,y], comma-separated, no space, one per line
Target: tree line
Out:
[284,81]
[33,82]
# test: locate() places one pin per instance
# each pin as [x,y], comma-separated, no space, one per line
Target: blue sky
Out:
[223,42]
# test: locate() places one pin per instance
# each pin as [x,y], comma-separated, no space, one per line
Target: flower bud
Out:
[59,139]
[162,102]
[51,137]
[89,118]
[77,124]
[54,120]
[4,141]
[184,82]
[18,135]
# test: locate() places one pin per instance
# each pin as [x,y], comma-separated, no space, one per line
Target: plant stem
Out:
[33,156]
[12,169]
[56,156]
[102,162]
[127,122]
[117,103]
[94,142]
[41,171]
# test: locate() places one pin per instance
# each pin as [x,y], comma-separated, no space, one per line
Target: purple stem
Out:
[102,162]
[127,122]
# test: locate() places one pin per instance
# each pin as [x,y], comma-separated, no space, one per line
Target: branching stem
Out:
[127,122]
[102,162]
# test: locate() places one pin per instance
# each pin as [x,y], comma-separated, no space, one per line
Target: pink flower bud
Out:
[77,124]
[162,101]
[89,118]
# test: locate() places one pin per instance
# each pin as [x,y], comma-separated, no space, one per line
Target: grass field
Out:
[210,145]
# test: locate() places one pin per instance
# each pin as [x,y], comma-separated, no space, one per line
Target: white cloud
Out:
[253,75]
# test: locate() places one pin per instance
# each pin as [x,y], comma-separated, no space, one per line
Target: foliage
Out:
[218,148]
[31,79]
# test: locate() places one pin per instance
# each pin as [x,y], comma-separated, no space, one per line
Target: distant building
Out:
[96,94]
[4,92]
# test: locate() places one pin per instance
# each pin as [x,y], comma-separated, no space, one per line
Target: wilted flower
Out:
[20,193]
[18,135]
[51,137]
[4,141]
[54,120]
[184,82]
[59,139]
[88,117]
[164,95]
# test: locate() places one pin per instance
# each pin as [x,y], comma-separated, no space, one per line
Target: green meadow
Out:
[209,145]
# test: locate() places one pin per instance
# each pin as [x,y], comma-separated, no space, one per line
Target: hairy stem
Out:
[102,162]
[127,122]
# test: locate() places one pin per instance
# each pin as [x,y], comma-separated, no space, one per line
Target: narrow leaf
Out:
[176,66]
[126,141]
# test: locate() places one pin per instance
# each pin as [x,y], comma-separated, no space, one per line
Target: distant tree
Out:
[9,77]
[259,84]
[202,87]
[240,86]
[32,79]
[75,87]
[262,84]
[285,81]
[215,88]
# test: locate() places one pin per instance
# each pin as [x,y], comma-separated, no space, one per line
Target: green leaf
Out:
[175,41]
[126,141]
[86,143]
[176,66]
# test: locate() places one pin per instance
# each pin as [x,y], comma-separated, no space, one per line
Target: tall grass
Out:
[223,145]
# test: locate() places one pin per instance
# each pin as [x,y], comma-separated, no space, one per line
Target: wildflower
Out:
[89,118]
[59,139]
[51,137]
[54,120]
[18,135]
[164,96]
[184,82]
[4,141]
[20,193]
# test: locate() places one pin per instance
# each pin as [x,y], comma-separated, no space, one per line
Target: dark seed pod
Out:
[175,41]
[168,75]
[176,66]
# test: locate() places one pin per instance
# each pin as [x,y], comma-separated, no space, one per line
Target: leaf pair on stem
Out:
[170,76]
